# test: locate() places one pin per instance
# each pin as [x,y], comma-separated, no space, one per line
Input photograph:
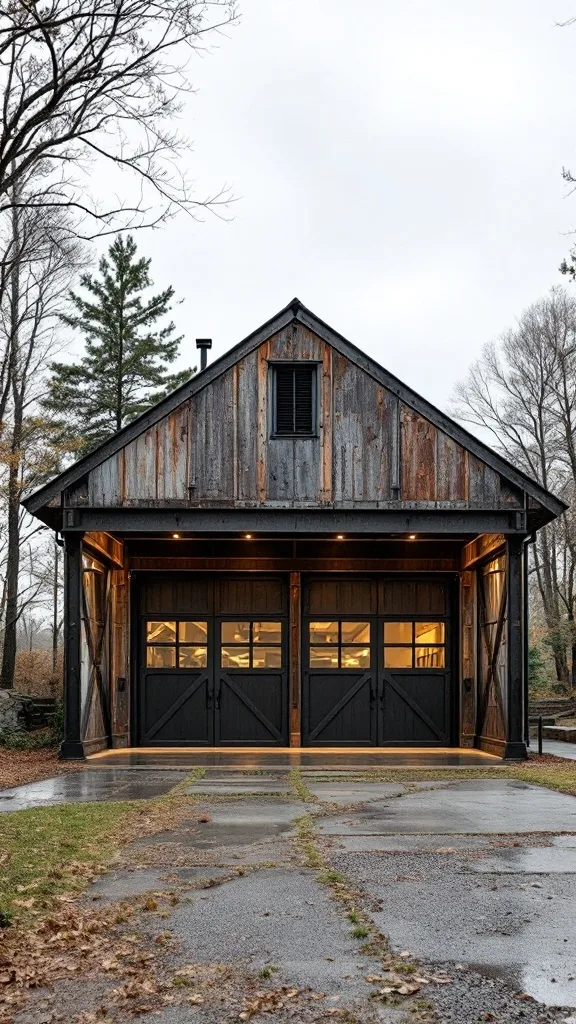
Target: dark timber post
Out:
[72,748]
[515,741]
[294,647]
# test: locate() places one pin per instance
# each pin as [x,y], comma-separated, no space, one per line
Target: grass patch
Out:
[305,833]
[561,777]
[267,972]
[299,787]
[360,931]
[47,851]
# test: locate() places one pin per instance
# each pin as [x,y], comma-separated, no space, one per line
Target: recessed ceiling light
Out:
[176,536]
[340,536]
[248,536]
[411,536]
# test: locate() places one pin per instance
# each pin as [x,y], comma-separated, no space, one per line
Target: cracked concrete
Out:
[427,863]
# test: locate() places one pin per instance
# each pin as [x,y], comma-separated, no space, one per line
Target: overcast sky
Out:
[398,167]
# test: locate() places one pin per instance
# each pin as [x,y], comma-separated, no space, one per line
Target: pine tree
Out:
[125,366]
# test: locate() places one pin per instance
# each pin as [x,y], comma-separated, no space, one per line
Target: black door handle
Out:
[209,695]
[218,692]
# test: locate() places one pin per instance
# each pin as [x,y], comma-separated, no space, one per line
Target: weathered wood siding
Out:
[371,449]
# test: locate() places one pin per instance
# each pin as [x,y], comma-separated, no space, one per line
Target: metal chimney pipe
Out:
[203,344]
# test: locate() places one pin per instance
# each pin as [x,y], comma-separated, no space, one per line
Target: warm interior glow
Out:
[248,536]
[411,536]
[340,536]
[176,536]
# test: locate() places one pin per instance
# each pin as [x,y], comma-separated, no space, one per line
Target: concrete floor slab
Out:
[354,792]
[476,806]
[289,757]
[408,843]
[122,884]
[520,926]
[87,786]
[280,918]
[544,860]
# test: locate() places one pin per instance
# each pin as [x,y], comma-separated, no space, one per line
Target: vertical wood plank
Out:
[263,431]
[248,429]
[326,430]
[418,457]
[452,474]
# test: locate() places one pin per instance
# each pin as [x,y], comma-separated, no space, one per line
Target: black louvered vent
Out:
[295,399]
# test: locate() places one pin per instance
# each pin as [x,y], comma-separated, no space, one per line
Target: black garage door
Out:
[377,657]
[213,662]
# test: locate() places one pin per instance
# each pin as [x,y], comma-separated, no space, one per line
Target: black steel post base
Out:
[515,751]
[71,751]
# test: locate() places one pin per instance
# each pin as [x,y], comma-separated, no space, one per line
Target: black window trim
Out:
[313,363]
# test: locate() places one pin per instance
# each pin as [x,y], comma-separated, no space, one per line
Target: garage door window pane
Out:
[267,657]
[355,632]
[193,657]
[398,632]
[324,657]
[267,632]
[429,657]
[160,657]
[323,632]
[235,657]
[161,632]
[355,657]
[192,632]
[397,657]
[235,632]
[429,632]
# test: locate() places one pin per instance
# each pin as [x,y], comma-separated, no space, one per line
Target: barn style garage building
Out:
[295,549]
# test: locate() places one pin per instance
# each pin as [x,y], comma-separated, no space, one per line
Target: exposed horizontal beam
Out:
[293,522]
[139,563]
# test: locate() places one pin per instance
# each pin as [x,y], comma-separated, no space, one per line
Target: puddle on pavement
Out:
[560,992]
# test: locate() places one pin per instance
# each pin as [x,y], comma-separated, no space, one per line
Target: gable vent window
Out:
[295,400]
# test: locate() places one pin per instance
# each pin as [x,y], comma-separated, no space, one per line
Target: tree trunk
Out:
[12,570]
[13,524]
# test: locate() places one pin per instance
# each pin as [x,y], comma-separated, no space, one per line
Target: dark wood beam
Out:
[72,748]
[140,563]
[294,521]
[515,741]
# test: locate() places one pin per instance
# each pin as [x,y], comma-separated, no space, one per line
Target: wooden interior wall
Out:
[120,658]
[95,654]
[105,662]
[372,451]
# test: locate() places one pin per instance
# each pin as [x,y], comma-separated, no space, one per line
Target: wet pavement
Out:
[87,786]
[472,882]
[556,747]
[287,758]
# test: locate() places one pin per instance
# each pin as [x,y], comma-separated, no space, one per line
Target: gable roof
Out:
[295,310]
